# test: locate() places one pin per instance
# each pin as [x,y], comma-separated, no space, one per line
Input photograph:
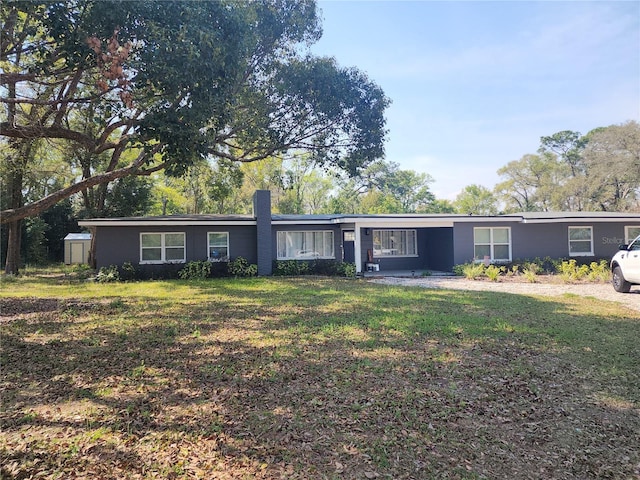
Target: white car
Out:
[625,266]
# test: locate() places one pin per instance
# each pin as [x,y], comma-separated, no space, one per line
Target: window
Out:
[162,247]
[492,243]
[395,243]
[630,233]
[580,241]
[218,246]
[305,245]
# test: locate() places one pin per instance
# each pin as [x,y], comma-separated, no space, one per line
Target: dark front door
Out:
[348,246]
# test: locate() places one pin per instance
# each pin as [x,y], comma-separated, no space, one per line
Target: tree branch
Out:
[15,214]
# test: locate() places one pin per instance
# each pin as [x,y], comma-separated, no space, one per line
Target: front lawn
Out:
[313,379]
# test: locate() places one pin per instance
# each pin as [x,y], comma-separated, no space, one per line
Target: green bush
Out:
[290,268]
[197,270]
[493,272]
[331,268]
[530,272]
[128,272]
[470,271]
[572,271]
[240,267]
[108,274]
[347,269]
[600,271]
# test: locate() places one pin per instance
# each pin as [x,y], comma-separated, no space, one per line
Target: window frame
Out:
[388,232]
[226,259]
[569,241]
[492,244]
[281,236]
[629,237]
[163,248]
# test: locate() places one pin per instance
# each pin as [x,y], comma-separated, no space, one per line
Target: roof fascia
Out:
[583,220]
[163,223]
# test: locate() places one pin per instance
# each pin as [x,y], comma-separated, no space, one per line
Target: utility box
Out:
[76,248]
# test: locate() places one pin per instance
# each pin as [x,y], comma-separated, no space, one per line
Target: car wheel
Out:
[619,283]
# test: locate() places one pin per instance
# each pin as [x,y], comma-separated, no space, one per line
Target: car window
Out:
[635,245]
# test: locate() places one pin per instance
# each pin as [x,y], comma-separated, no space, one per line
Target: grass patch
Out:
[313,378]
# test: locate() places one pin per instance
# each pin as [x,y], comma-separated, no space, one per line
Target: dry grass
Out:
[313,378]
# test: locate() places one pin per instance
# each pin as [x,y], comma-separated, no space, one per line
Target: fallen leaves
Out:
[127,390]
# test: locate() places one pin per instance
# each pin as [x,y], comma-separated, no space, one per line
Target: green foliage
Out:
[492,272]
[289,268]
[196,270]
[330,268]
[476,200]
[347,269]
[128,272]
[193,63]
[108,274]
[530,272]
[572,271]
[240,267]
[599,271]
[471,270]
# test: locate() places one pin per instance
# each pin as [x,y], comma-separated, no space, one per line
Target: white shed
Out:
[76,248]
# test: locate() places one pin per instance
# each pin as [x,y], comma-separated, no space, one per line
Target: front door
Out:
[348,246]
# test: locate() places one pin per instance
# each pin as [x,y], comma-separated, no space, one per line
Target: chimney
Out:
[264,236]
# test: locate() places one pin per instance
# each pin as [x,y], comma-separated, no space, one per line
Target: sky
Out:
[475,84]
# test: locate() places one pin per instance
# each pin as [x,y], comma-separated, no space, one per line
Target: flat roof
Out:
[442,219]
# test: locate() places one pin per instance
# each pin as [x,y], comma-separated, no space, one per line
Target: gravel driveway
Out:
[603,291]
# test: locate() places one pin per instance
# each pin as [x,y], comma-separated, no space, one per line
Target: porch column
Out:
[357,249]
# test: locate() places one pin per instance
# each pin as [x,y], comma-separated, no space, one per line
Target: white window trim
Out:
[580,254]
[163,248]
[492,245]
[319,257]
[407,255]
[628,237]
[209,246]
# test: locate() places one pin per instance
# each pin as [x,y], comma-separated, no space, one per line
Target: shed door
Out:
[77,252]
[348,246]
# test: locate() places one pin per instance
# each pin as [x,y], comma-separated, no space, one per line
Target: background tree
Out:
[612,165]
[476,200]
[568,146]
[531,184]
[385,188]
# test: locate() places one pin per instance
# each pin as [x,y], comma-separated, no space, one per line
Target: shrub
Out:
[240,267]
[81,271]
[530,272]
[470,271]
[128,272]
[290,267]
[347,269]
[195,270]
[493,272]
[108,274]
[599,271]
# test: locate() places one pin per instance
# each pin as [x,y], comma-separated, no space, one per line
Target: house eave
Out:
[157,223]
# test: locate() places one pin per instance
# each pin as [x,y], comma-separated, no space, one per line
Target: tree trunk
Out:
[12,265]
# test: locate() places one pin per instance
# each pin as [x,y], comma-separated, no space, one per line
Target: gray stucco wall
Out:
[117,245]
[531,240]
